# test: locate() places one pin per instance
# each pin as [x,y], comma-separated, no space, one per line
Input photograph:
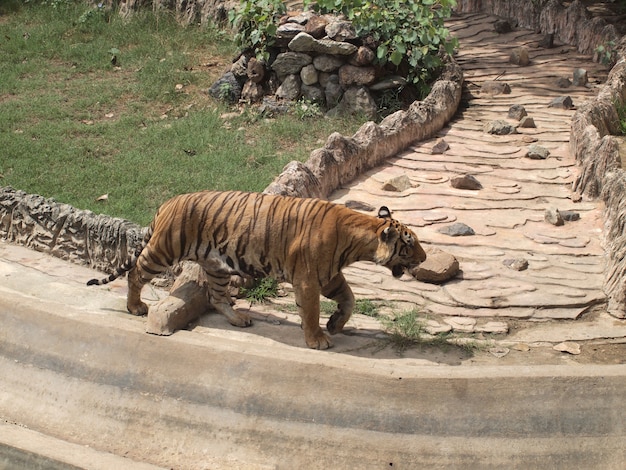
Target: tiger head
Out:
[398,247]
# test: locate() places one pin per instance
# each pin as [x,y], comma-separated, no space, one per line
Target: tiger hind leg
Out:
[136,281]
[219,297]
[339,291]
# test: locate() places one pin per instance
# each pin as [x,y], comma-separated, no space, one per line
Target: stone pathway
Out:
[565,263]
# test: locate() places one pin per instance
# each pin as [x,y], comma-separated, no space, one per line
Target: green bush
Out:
[408,33]
[256,22]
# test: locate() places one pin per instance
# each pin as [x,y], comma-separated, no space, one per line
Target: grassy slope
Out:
[75,127]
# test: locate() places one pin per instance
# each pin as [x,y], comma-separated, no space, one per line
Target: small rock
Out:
[439,267]
[397,184]
[563,82]
[502,26]
[363,56]
[316,26]
[252,92]
[519,56]
[340,31]
[499,127]
[352,75]
[465,182]
[289,63]
[553,216]
[289,89]
[239,67]
[255,70]
[304,42]
[389,83]
[309,74]
[537,152]
[580,77]
[457,229]
[463,324]
[523,347]
[359,206]
[440,147]
[564,102]
[313,93]
[568,347]
[547,41]
[570,216]
[356,101]
[226,88]
[495,87]
[333,91]
[493,327]
[499,351]
[518,264]
[517,111]
[433,327]
[527,122]
[327,63]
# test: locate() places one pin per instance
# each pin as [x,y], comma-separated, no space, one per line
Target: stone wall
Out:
[571,24]
[103,242]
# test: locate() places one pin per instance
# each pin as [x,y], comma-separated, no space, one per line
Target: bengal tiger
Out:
[305,242]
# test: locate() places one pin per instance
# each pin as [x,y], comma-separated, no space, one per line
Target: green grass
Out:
[74,126]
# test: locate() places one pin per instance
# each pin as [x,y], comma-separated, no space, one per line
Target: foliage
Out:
[407,32]
[263,289]
[306,109]
[607,53]
[256,22]
[621,114]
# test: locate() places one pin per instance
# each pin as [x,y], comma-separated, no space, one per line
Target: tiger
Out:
[303,241]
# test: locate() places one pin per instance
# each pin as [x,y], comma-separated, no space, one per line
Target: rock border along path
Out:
[565,263]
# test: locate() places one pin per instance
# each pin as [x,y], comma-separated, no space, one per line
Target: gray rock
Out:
[289,63]
[397,184]
[226,88]
[271,107]
[340,31]
[287,31]
[537,152]
[255,70]
[465,182]
[547,42]
[440,147]
[439,267]
[518,264]
[327,63]
[553,216]
[580,77]
[567,346]
[564,102]
[517,111]
[457,229]
[570,216]
[333,91]
[355,101]
[314,93]
[240,67]
[309,74]
[316,26]
[563,82]
[499,127]
[289,89]
[360,206]
[502,26]
[252,92]
[363,56]
[351,75]
[527,122]
[304,42]
[519,56]
[389,83]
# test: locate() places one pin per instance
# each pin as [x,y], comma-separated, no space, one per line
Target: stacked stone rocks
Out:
[316,58]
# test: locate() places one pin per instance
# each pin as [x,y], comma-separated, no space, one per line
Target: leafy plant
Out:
[263,289]
[257,23]
[407,33]
[306,109]
[366,307]
[606,53]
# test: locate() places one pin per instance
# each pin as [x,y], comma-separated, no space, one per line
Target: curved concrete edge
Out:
[90,376]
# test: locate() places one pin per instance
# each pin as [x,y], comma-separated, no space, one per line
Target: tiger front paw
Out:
[240,319]
[140,309]
[319,340]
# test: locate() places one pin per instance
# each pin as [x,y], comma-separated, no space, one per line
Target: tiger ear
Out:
[384,213]
[389,233]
